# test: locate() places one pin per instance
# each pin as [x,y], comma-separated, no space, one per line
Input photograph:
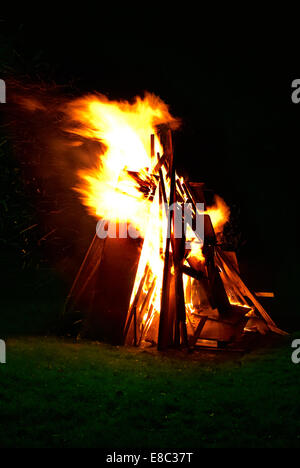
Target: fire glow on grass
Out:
[111,192]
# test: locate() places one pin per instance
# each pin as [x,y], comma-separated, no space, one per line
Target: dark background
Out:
[239,134]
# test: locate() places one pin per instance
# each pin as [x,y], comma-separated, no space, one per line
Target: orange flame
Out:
[219,214]
[124,129]
[111,192]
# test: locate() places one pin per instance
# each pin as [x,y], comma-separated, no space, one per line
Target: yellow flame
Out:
[219,214]
[124,129]
[109,190]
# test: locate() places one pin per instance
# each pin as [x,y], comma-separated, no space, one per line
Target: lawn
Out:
[56,392]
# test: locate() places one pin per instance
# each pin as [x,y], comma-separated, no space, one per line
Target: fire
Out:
[219,214]
[196,252]
[178,293]
[108,190]
[113,189]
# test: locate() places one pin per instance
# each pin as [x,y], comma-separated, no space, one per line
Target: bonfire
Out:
[156,272]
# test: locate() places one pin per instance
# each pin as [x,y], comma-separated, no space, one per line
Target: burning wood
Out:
[175,286]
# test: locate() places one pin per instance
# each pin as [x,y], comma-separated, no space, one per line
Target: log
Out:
[163,332]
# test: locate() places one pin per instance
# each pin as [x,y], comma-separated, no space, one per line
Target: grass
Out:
[57,392]
[60,393]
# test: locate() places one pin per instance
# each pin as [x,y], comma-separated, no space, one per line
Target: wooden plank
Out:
[232,258]
[87,270]
[163,332]
[196,188]
[135,304]
[113,289]
[180,190]
[230,283]
[163,188]
[134,326]
[147,299]
[217,294]
[223,331]
[246,291]
[152,137]
[162,162]
[198,330]
[264,294]
[190,271]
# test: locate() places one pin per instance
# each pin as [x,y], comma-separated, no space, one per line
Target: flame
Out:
[111,191]
[196,252]
[219,214]
[124,129]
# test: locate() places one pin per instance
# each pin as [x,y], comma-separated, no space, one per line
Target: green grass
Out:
[57,393]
